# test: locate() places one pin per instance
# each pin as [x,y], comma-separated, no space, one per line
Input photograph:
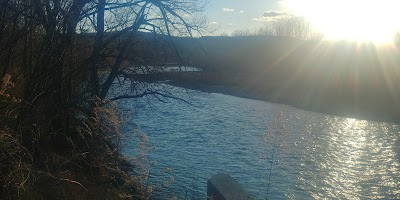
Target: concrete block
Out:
[223,187]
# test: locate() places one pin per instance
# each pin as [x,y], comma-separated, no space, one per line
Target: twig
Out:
[72,181]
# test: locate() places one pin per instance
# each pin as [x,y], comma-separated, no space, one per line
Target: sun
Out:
[360,20]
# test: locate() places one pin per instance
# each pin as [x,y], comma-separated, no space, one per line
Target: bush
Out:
[86,164]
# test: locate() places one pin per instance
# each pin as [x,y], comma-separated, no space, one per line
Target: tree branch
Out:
[155,94]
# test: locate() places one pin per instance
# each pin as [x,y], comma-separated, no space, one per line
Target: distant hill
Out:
[347,78]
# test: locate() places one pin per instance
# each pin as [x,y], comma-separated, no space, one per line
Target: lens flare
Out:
[350,19]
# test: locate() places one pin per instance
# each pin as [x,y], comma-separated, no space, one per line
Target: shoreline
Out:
[238,92]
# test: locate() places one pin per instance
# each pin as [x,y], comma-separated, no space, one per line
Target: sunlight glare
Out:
[350,19]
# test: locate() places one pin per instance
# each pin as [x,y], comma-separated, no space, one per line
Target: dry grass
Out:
[82,163]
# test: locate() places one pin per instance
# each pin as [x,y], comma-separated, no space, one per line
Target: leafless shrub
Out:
[274,139]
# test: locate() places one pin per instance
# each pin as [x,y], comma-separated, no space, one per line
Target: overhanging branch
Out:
[155,94]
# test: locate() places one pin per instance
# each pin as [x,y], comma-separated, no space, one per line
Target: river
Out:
[272,150]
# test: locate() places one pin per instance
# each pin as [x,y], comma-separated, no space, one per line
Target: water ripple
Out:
[316,156]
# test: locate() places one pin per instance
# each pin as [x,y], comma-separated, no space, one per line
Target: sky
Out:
[230,15]
[370,20]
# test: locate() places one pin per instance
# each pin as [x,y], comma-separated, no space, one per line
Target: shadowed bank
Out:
[343,78]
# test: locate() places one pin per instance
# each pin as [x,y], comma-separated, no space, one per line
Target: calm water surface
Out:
[312,155]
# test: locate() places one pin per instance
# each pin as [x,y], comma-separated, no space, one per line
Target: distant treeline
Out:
[290,26]
[341,77]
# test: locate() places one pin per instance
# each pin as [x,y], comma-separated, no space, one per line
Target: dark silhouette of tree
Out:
[125,21]
[39,41]
[58,61]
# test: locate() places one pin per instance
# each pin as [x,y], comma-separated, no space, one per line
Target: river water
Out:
[274,151]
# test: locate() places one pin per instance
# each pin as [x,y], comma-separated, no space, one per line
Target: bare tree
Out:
[396,38]
[123,23]
[288,26]
[48,44]
[58,61]
[293,27]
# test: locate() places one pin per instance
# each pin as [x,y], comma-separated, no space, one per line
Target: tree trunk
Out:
[94,79]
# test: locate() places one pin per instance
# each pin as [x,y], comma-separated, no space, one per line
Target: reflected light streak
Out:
[357,162]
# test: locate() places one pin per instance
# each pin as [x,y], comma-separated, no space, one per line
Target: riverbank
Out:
[243,92]
[82,162]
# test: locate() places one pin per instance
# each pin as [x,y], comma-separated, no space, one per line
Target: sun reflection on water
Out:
[356,161]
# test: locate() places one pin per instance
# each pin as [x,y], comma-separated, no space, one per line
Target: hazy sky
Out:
[374,20]
[230,15]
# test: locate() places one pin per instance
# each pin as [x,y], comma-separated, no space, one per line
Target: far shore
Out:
[238,92]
